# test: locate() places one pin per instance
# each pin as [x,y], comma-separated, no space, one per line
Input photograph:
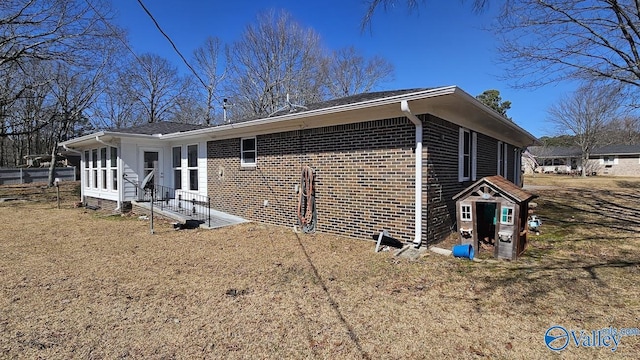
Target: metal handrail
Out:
[195,206]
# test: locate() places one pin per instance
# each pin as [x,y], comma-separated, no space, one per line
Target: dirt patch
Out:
[79,284]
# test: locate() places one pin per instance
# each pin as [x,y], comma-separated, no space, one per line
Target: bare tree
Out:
[74,91]
[625,130]
[206,63]
[42,31]
[276,59]
[349,73]
[571,39]
[154,84]
[585,114]
[411,5]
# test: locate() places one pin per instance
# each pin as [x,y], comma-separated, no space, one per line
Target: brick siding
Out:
[104,204]
[364,177]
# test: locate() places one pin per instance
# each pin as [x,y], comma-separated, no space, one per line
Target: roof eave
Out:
[295,118]
[91,138]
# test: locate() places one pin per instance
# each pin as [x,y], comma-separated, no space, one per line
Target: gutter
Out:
[101,142]
[404,106]
[64,146]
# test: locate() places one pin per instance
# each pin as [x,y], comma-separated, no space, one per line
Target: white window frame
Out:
[191,168]
[112,167]
[472,156]
[509,216]
[503,159]
[102,167]
[87,169]
[517,166]
[177,170]
[94,168]
[243,162]
[465,212]
[609,160]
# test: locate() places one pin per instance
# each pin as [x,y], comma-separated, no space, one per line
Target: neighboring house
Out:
[387,160]
[616,160]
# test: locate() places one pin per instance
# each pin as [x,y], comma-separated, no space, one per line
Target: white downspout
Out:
[404,106]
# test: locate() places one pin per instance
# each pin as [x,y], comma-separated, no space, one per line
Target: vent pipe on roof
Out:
[404,106]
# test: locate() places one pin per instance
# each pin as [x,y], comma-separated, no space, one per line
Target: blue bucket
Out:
[463,251]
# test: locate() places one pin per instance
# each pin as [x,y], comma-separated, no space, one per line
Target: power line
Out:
[172,44]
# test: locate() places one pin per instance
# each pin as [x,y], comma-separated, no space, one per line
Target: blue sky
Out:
[442,44]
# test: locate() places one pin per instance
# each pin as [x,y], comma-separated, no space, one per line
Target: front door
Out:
[150,163]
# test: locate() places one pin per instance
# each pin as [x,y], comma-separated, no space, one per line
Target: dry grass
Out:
[596,182]
[80,284]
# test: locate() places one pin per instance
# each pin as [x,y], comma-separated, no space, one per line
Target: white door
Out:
[150,159]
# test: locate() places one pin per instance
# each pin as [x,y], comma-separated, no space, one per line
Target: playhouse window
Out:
[467,155]
[507,216]
[192,165]
[248,152]
[177,167]
[465,212]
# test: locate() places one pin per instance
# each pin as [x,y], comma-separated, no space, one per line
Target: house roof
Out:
[162,127]
[564,151]
[347,100]
[450,103]
[617,150]
[554,151]
[501,185]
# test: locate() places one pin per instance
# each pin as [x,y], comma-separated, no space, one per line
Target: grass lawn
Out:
[81,284]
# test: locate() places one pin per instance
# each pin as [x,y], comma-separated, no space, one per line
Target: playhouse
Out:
[492,216]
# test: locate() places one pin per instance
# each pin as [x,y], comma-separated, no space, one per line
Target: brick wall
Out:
[628,165]
[364,177]
[104,204]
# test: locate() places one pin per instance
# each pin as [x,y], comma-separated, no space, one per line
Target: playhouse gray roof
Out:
[502,185]
[161,127]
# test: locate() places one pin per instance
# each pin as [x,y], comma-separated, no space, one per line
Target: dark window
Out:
[192,154]
[248,152]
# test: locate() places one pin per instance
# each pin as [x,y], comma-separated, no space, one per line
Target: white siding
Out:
[128,154]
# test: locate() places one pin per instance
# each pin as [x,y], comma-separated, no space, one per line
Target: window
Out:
[503,158]
[94,168]
[608,161]
[87,181]
[507,216]
[103,167]
[192,166]
[517,167]
[113,167]
[177,167]
[465,212]
[248,152]
[467,155]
